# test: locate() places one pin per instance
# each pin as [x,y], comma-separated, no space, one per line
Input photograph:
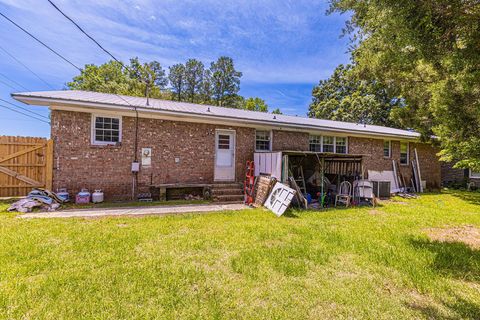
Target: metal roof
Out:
[104,100]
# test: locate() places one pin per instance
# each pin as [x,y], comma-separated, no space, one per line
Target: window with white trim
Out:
[328,143]
[315,143]
[404,153]
[387,148]
[340,145]
[106,130]
[262,140]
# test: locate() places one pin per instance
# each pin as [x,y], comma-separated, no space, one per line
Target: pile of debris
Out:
[268,192]
[40,198]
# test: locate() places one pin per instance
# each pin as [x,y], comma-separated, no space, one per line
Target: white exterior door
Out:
[224,155]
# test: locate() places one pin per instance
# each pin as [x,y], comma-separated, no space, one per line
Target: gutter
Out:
[66,102]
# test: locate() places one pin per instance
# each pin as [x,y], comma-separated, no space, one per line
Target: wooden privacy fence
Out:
[25,163]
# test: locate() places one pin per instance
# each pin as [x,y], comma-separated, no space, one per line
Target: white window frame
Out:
[317,136]
[105,143]
[473,175]
[334,142]
[408,154]
[271,141]
[389,149]
[323,144]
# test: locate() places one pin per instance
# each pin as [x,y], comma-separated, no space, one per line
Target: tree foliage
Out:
[194,71]
[176,76]
[190,82]
[112,77]
[225,81]
[344,97]
[255,104]
[426,51]
[277,111]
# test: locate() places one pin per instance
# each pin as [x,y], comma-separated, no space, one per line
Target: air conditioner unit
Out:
[381,189]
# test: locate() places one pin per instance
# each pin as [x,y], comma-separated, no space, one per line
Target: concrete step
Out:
[228,198]
[229,191]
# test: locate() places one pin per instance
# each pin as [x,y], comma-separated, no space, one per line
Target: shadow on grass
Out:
[454,259]
[290,214]
[472,197]
[461,308]
[451,259]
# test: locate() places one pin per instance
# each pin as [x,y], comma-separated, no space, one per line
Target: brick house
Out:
[181,143]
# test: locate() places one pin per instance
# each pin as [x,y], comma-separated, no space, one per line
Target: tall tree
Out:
[176,76]
[344,97]
[150,75]
[225,81]
[255,104]
[112,77]
[206,91]
[426,51]
[109,77]
[194,71]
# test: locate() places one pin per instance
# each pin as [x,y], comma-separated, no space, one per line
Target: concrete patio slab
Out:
[135,211]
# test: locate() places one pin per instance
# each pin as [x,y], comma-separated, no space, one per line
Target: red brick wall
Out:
[78,164]
[290,141]
[372,150]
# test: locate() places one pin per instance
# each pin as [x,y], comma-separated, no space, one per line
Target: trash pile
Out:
[38,198]
[268,192]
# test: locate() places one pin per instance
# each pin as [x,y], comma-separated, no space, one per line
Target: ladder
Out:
[299,178]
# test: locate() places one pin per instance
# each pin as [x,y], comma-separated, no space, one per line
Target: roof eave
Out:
[43,101]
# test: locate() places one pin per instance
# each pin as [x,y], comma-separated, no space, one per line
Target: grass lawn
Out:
[72,205]
[353,263]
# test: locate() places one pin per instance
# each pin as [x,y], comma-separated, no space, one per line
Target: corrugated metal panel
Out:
[206,110]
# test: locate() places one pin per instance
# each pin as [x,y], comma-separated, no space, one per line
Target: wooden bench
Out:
[159,191]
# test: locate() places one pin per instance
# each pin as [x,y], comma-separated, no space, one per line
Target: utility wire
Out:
[84,32]
[41,42]
[114,58]
[23,108]
[13,81]
[25,114]
[26,67]
[8,85]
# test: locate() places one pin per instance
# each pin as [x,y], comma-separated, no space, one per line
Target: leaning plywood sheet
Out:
[279,199]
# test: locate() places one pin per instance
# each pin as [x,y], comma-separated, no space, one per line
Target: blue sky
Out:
[283,48]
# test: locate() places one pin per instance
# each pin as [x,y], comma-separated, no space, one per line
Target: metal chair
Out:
[344,194]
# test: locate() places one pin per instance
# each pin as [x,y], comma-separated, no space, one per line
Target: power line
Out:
[114,58]
[41,42]
[84,32]
[8,85]
[16,105]
[25,114]
[13,81]
[26,67]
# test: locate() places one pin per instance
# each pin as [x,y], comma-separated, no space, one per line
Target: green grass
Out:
[70,205]
[358,263]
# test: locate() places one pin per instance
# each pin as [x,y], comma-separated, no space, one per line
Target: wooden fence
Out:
[25,163]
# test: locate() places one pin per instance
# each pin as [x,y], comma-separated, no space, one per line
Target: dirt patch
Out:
[375,211]
[467,234]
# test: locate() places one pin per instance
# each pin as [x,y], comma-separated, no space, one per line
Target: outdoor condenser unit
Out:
[381,189]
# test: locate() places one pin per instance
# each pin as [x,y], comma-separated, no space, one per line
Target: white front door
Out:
[224,155]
